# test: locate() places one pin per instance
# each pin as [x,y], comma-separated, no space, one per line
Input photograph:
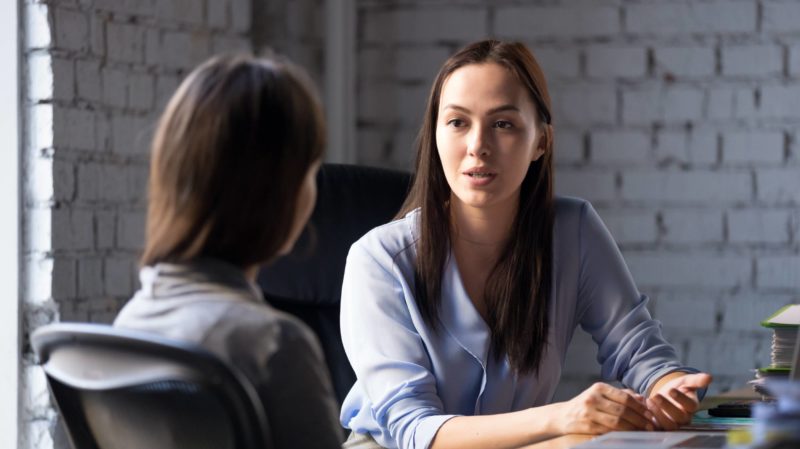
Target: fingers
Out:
[622,410]
[624,398]
[660,416]
[687,401]
[619,417]
[668,415]
[594,428]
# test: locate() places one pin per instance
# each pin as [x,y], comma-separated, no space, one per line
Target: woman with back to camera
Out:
[232,184]
[457,316]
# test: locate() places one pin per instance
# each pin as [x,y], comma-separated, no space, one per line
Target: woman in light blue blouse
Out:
[457,316]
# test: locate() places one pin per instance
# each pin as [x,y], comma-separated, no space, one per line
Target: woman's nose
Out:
[478,144]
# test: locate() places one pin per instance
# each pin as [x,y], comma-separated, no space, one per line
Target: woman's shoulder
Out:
[569,207]
[245,325]
[572,217]
[391,239]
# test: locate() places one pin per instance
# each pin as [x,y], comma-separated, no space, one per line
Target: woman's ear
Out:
[542,142]
[538,151]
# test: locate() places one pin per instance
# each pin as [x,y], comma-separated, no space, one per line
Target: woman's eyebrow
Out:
[502,108]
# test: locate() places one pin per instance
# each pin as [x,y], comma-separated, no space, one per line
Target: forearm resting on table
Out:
[504,430]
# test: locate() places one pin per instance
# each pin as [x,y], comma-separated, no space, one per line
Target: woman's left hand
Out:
[675,401]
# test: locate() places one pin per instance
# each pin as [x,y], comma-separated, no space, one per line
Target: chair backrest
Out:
[121,389]
[307,283]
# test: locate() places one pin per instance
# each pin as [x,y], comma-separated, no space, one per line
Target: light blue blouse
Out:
[411,380]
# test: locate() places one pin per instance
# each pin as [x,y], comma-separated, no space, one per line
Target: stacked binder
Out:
[785,324]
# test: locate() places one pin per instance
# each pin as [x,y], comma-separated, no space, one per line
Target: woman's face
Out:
[306,198]
[486,135]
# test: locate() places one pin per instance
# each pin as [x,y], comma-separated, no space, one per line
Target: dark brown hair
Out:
[228,158]
[518,288]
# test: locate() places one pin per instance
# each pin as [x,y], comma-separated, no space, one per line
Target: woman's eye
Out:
[456,122]
[503,124]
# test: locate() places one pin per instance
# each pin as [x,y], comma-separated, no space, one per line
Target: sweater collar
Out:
[198,278]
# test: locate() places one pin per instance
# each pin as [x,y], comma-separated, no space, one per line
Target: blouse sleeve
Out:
[386,351]
[631,348]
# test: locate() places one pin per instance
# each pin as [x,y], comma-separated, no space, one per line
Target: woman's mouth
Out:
[479,178]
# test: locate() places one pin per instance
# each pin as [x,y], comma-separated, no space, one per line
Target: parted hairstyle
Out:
[518,288]
[228,158]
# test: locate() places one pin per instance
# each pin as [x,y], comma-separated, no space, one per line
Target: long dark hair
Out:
[518,288]
[228,159]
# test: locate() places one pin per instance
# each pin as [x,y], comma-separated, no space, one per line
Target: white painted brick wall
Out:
[125,42]
[594,186]
[616,61]
[671,311]
[569,147]
[688,17]
[417,26]
[547,22]
[690,270]
[794,60]
[692,226]
[630,226]
[629,147]
[753,147]
[559,62]
[71,29]
[415,64]
[759,226]
[676,118]
[780,16]
[685,61]
[671,105]
[115,87]
[781,185]
[89,84]
[186,11]
[97,75]
[780,102]
[90,277]
[726,103]
[585,104]
[752,60]
[779,272]
[740,311]
[687,187]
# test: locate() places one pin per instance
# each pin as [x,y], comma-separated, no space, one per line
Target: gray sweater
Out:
[212,304]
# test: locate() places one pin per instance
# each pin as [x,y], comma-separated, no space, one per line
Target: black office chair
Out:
[308,282]
[120,389]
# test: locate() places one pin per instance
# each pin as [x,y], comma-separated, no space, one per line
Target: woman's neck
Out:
[482,227]
[251,272]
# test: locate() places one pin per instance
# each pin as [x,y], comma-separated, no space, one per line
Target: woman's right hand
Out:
[600,409]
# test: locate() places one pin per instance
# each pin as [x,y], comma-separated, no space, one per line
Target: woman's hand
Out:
[603,408]
[673,400]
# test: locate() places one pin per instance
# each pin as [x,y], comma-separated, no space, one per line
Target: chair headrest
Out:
[351,200]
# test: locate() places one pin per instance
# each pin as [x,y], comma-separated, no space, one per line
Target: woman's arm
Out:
[600,409]
[631,347]
[396,389]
